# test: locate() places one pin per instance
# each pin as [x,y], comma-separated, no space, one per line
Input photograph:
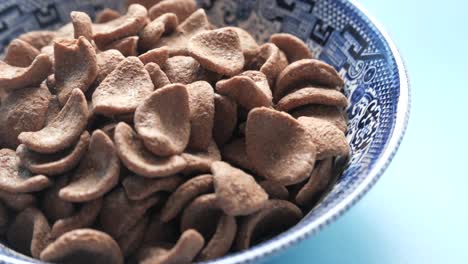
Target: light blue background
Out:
[418,211]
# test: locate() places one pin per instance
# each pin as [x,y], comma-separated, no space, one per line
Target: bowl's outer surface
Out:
[340,33]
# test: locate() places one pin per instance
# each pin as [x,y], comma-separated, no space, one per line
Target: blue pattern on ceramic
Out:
[340,33]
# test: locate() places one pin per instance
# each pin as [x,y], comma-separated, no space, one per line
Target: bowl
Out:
[341,33]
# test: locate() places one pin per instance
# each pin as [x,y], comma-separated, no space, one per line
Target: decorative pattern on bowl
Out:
[340,32]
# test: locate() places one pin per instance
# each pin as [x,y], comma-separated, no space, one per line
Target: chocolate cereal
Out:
[311,95]
[85,246]
[97,174]
[218,51]
[250,89]
[63,131]
[124,89]
[79,74]
[16,179]
[185,251]
[202,108]
[184,194]
[138,159]
[20,53]
[57,163]
[267,132]
[150,35]
[139,188]
[237,192]
[85,216]
[12,77]
[294,48]
[307,71]
[153,136]
[163,120]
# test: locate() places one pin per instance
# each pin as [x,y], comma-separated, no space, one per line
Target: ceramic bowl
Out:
[341,33]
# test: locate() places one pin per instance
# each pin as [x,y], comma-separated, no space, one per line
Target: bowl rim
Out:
[273,247]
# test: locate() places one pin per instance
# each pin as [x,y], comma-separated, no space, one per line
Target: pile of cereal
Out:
[152,137]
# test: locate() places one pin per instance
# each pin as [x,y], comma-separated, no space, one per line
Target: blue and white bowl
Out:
[343,35]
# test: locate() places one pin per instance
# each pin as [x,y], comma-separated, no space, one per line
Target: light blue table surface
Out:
[418,211]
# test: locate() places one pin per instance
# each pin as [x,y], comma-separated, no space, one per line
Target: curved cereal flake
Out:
[329,140]
[280,148]
[75,66]
[294,48]
[131,241]
[317,183]
[181,8]
[225,119]
[38,39]
[275,190]
[204,215]
[157,55]
[97,173]
[12,77]
[16,179]
[271,61]
[150,35]
[184,194]
[249,45]
[139,188]
[28,234]
[124,89]
[128,25]
[235,153]
[328,113]
[177,42]
[218,51]
[237,192]
[181,69]
[188,246]
[250,90]
[222,239]
[200,162]
[201,101]
[119,214]
[17,201]
[127,46]
[203,207]
[310,95]
[106,15]
[63,131]
[136,158]
[54,164]
[19,53]
[307,71]
[52,206]
[83,246]
[158,77]
[21,111]
[107,61]
[163,120]
[82,25]
[276,217]
[83,217]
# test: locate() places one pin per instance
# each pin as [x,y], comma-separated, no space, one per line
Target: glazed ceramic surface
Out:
[340,33]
